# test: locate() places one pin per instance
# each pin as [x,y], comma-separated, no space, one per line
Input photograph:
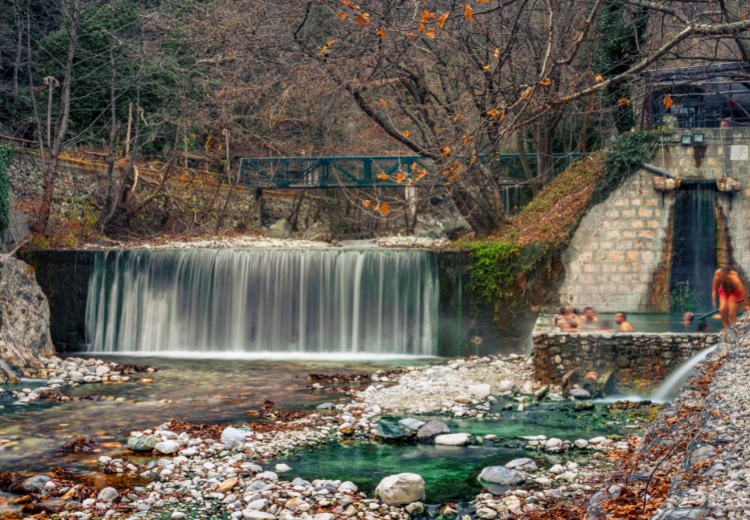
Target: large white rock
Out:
[232,437]
[167,447]
[506,385]
[453,439]
[401,489]
[107,495]
[480,390]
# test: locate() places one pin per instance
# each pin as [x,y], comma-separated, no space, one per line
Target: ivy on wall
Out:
[6,152]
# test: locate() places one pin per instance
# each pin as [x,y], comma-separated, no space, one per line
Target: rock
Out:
[686,513]
[580,393]
[486,513]
[347,429]
[432,429]
[24,335]
[76,377]
[502,475]
[528,387]
[453,439]
[107,495]
[178,515]
[481,391]
[541,393]
[413,425]
[506,385]
[257,504]
[30,485]
[401,489]
[297,504]
[232,437]
[597,440]
[524,464]
[167,447]
[581,444]
[102,370]
[582,406]
[279,229]
[557,469]
[256,515]
[389,431]
[324,516]
[456,228]
[228,485]
[415,508]
[267,475]
[552,443]
[326,406]
[513,503]
[281,468]
[145,443]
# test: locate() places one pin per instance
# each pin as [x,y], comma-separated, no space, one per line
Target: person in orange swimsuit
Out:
[728,286]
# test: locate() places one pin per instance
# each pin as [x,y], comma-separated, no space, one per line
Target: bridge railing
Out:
[385,171]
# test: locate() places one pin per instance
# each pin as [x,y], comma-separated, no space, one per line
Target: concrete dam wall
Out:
[621,256]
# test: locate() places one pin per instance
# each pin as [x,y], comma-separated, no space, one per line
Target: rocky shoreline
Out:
[203,471]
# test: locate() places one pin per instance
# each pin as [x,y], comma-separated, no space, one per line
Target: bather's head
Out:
[620,317]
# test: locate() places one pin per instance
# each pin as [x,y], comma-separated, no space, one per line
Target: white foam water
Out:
[668,390]
[264,302]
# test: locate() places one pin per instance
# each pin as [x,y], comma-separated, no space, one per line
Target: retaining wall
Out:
[638,361]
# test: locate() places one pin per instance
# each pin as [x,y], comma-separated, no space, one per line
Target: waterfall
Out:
[694,248]
[669,388]
[369,302]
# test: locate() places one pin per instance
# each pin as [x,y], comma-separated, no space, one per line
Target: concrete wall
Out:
[614,259]
[618,247]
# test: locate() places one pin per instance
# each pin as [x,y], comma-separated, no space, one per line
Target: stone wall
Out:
[617,248]
[638,361]
[613,262]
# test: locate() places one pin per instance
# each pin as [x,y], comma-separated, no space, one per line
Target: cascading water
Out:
[694,248]
[264,301]
[668,390]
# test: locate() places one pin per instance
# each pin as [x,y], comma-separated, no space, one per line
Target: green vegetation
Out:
[6,152]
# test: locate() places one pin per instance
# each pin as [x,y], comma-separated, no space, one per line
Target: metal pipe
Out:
[658,171]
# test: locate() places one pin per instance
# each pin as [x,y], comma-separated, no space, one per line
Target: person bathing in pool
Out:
[728,286]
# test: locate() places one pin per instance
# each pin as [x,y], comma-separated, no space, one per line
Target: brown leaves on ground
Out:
[6,479]
[361,377]
[197,430]
[555,212]
[79,444]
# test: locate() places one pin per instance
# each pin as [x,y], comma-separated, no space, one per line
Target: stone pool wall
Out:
[636,361]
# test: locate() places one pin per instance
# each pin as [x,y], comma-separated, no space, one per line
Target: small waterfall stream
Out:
[694,247]
[369,302]
[668,390]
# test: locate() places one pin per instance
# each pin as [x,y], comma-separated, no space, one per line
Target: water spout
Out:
[668,390]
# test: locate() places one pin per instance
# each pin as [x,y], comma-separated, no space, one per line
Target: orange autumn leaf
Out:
[349,4]
[420,27]
[443,19]
[381,33]
[383,102]
[494,113]
[467,139]
[483,1]
[342,15]
[546,82]
[400,177]
[363,19]
[430,33]
[410,35]
[468,12]
[421,173]
[599,78]
[366,203]
[406,133]
[623,101]
[427,16]
[668,101]
[496,53]
[326,46]
[383,177]
[446,150]
[384,209]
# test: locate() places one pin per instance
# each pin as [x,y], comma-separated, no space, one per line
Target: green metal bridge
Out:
[384,171]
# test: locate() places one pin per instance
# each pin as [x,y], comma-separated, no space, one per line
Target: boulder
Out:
[279,229]
[480,391]
[541,393]
[401,489]
[453,439]
[456,228]
[107,495]
[24,335]
[524,464]
[413,425]
[167,447]
[506,385]
[431,430]
[581,444]
[232,437]
[30,485]
[415,508]
[145,443]
[502,475]
[580,393]
[389,431]
[228,485]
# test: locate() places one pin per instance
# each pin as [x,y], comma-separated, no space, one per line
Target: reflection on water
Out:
[201,390]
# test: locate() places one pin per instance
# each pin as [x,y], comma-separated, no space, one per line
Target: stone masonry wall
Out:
[639,361]
[619,245]
[712,162]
